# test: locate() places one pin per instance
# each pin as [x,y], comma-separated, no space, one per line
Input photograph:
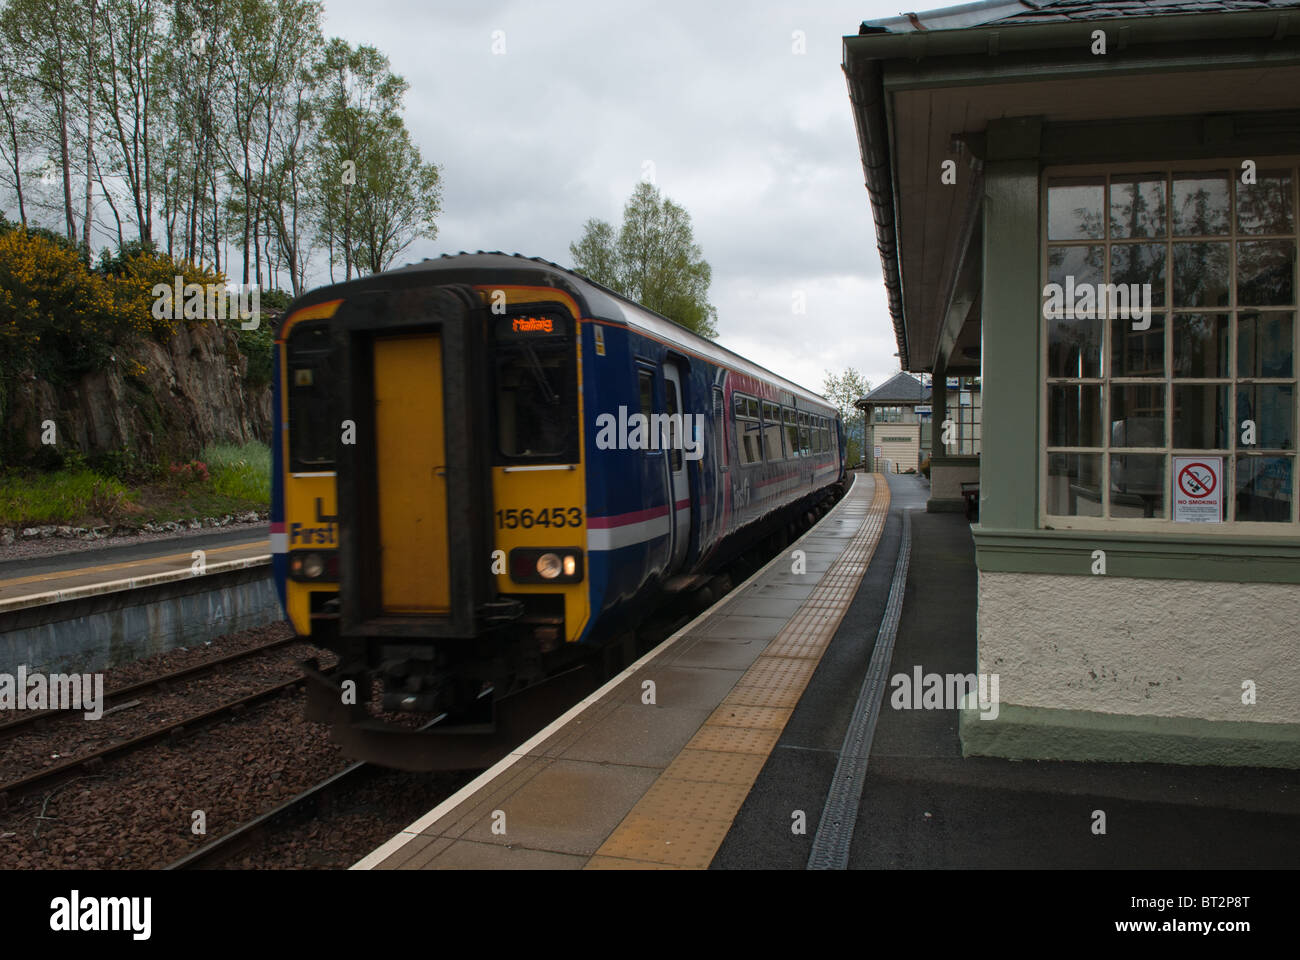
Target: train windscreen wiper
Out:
[550,397]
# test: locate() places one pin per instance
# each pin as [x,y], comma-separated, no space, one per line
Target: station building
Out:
[1093,206]
[897,424]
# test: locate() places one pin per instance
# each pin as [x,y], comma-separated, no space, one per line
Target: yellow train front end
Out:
[429,515]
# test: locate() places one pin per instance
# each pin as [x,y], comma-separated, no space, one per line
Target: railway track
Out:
[32,720]
[52,776]
[306,805]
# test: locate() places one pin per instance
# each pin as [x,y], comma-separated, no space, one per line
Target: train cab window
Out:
[748,429]
[791,433]
[772,432]
[536,390]
[311,427]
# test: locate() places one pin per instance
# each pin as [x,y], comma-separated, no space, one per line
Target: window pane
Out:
[1266,273]
[1074,208]
[1271,407]
[1137,415]
[1200,205]
[1074,416]
[1264,488]
[1265,344]
[1201,345]
[1200,274]
[1142,264]
[1137,485]
[1266,205]
[772,432]
[748,433]
[1074,484]
[1073,343]
[1137,205]
[1201,417]
[1137,353]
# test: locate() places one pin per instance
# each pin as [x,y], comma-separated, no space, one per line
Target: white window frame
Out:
[1167,525]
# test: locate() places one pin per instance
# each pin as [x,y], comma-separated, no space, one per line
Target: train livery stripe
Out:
[628,534]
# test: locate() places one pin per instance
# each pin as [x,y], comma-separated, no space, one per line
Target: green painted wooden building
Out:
[1093,206]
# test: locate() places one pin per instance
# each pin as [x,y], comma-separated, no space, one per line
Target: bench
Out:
[970,492]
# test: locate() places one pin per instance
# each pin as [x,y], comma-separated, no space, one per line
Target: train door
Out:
[679,485]
[410,464]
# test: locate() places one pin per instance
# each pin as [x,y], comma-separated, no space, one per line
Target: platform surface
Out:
[650,771]
[81,568]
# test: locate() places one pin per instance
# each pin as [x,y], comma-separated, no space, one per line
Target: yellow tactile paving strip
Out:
[63,579]
[683,818]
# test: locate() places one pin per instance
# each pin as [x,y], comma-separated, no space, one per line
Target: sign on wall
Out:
[1198,489]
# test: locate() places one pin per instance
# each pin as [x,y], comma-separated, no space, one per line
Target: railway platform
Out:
[50,578]
[754,710]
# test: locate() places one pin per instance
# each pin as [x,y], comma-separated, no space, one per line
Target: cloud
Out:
[754,140]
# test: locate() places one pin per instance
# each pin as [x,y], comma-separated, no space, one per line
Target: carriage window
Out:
[536,392]
[805,446]
[772,432]
[748,430]
[311,431]
[791,433]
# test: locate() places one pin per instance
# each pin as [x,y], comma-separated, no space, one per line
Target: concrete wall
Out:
[112,629]
[1166,648]
[946,477]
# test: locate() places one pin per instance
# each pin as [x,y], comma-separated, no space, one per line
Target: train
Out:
[486,465]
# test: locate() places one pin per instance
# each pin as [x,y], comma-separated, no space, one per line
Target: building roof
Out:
[926,87]
[1044,11]
[900,388]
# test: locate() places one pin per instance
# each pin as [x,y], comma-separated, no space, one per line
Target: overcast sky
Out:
[755,141]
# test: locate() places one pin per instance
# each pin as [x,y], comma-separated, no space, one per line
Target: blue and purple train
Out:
[485,464]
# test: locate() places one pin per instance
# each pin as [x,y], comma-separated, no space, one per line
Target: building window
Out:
[964,408]
[1169,309]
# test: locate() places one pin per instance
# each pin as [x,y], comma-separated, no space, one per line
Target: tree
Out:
[374,194]
[653,260]
[842,391]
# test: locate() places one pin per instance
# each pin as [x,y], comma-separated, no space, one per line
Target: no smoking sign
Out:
[1198,489]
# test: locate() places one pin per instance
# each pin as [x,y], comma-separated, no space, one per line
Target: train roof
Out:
[596,300]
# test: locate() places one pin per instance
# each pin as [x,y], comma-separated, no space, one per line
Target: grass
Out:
[239,481]
[242,473]
[59,497]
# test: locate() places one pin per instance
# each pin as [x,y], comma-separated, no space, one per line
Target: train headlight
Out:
[314,565]
[546,565]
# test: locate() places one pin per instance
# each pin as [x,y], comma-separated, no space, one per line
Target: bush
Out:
[240,472]
[55,315]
